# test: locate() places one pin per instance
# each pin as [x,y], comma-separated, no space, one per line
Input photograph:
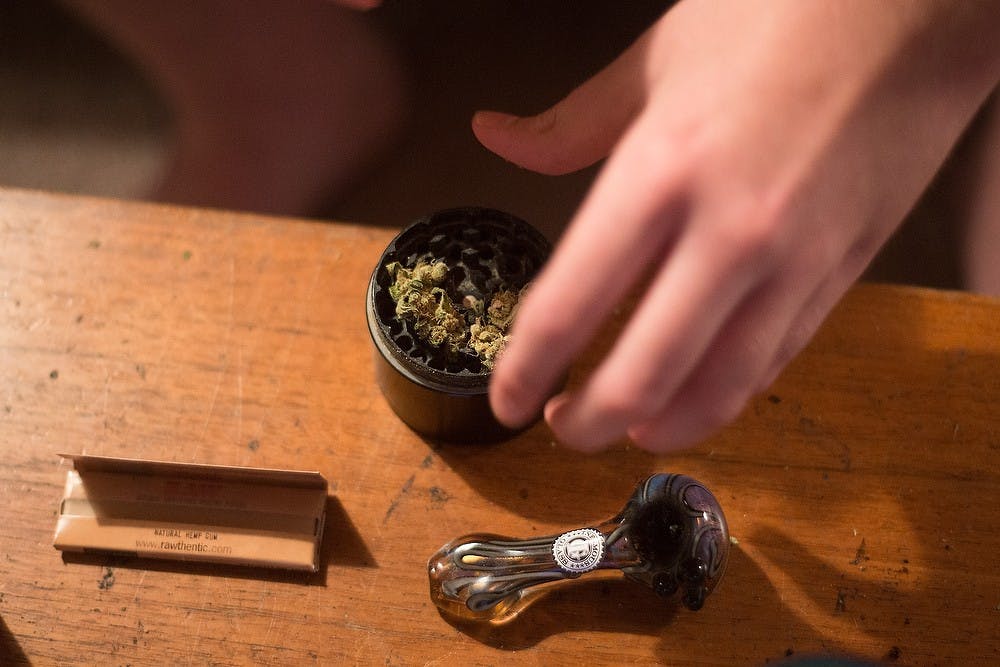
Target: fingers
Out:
[819,305]
[669,333]
[718,387]
[711,324]
[603,253]
[764,334]
[576,132]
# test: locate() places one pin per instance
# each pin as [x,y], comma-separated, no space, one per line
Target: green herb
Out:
[437,320]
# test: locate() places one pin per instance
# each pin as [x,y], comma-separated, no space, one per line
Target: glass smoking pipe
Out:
[670,536]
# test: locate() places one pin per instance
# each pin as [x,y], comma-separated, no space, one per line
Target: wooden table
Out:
[862,488]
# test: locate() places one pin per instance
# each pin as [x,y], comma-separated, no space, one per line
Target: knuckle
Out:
[546,328]
[628,400]
[664,164]
[754,231]
[507,383]
[758,238]
[716,404]
[546,121]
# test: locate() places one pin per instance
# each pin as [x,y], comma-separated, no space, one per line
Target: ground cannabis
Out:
[421,300]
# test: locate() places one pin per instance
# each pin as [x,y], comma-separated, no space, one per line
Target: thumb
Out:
[580,129]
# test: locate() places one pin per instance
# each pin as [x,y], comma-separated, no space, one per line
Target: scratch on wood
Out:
[286,350]
[107,581]
[135,597]
[861,555]
[399,497]
[439,496]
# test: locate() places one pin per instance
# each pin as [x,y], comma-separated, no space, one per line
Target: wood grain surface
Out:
[862,487]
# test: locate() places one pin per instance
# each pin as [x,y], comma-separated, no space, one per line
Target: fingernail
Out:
[558,411]
[493,120]
[555,409]
[510,410]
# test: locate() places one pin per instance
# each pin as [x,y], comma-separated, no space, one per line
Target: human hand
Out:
[760,154]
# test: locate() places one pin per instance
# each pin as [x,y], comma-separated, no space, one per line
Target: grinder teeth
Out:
[486,251]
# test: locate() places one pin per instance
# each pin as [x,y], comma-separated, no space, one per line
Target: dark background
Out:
[76,116]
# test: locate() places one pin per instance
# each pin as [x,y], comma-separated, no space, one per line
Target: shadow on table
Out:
[342,545]
[577,491]
[10,650]
[342,542]
[537,478]
[627,608]
[622,607]
[910,436]
[847,596]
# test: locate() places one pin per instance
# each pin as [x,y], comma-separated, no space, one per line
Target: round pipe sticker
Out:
[579,550]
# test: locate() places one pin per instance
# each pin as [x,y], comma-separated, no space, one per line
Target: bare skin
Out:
[278,106]
[976,192]
[759,155]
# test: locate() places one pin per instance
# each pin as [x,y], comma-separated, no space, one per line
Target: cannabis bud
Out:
[422,300]
[439,306]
